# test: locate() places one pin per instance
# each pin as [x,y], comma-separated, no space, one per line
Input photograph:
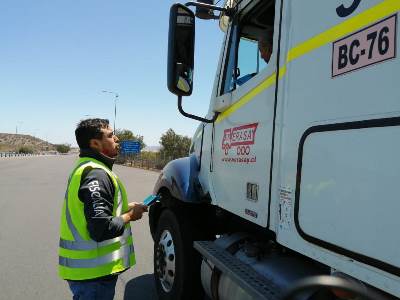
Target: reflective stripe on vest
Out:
[91,245]
[122,253]
[82,258]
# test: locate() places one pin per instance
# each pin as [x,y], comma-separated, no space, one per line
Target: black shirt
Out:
[97,191]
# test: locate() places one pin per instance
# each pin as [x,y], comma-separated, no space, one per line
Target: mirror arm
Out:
[193,116]
[228,11]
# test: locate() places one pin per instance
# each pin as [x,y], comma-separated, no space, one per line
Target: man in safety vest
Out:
[95,234]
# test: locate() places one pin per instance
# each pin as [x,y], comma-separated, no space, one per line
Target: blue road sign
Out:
[130,147]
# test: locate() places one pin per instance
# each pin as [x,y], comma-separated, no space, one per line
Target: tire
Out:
[176,262]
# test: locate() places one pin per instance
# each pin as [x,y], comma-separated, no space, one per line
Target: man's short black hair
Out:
[89,129]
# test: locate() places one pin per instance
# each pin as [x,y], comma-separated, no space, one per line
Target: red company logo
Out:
[242,137]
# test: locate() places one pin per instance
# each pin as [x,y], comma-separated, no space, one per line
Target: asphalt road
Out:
[31,195]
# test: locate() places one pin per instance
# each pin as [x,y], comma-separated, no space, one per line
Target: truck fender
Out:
[180,178]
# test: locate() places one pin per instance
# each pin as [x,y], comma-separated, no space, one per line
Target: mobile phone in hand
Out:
[151,200]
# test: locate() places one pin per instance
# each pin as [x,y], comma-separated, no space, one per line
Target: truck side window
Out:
[249,61]
[229,76]
[250,46]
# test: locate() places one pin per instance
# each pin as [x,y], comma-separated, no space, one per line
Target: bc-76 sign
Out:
[366,47]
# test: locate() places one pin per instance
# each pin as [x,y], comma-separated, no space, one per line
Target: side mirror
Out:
[181,50]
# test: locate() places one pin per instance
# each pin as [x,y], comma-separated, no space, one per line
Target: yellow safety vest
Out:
[80,257]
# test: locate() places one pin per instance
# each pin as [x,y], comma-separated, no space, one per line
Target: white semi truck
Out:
[294,171]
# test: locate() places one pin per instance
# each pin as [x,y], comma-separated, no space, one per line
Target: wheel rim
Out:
[165,261]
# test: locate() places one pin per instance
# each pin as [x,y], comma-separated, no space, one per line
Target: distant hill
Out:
[13,142]
[152,149]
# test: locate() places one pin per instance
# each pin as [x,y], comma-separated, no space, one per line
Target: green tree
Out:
[63,148]
[174,145]
[125,135]
[25,150]
[152,156]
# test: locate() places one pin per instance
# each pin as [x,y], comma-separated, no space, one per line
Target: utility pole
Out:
[16,126]
[115,106]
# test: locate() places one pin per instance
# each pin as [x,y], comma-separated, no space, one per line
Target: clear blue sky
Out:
[56,57]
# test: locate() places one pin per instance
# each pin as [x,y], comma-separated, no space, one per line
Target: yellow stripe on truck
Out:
[359,21]
[248,97]
[367,17]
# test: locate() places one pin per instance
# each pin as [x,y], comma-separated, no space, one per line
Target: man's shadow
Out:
[141,287]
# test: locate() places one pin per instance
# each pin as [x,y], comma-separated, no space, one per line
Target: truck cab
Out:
[293,171]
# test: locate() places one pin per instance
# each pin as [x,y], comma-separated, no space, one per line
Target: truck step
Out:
[246,277]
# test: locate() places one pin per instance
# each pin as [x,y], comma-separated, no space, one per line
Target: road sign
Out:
[130,147]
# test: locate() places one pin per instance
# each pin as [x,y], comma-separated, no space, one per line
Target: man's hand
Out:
[131,205]
[135,212]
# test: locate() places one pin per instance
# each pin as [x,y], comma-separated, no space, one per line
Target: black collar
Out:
[108,161]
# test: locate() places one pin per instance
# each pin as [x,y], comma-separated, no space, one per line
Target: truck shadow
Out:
[141,287]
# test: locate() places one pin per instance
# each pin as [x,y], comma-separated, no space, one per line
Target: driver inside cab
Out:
[265,45]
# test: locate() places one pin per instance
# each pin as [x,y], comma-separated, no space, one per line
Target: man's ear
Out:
[95,144]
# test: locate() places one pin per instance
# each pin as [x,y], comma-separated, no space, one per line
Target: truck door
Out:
[243,132]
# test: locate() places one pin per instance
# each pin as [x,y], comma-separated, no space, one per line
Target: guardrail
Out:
[15,154]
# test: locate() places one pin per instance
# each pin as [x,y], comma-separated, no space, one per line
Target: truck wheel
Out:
[176,262]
